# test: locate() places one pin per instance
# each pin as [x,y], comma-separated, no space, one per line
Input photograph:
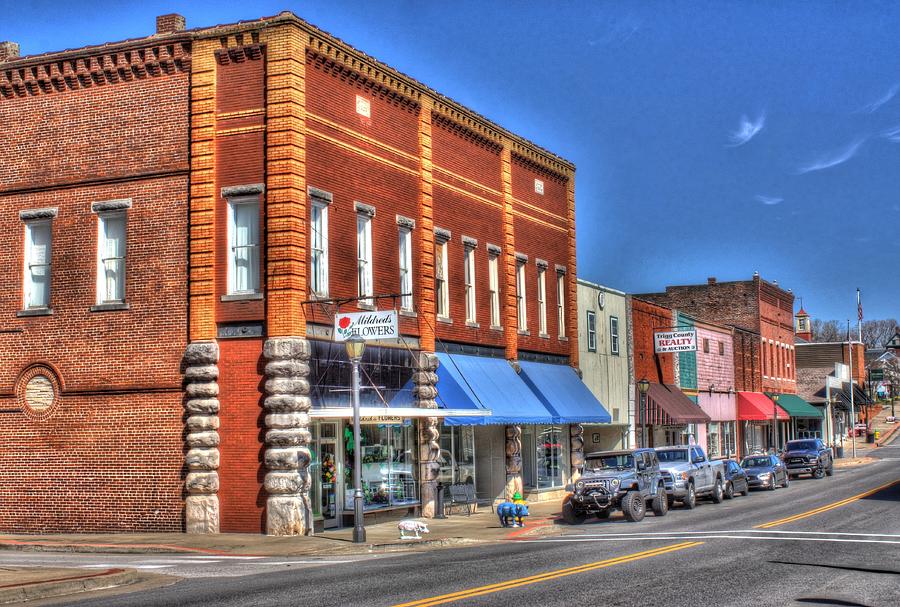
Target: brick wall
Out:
[109,454]
[647,317]
[747,361]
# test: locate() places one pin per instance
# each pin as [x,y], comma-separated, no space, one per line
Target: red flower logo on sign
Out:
[344,322]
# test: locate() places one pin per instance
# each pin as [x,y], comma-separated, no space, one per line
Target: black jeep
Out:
[624,480]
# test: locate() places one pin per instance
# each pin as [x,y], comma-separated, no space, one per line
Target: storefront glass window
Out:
[388,465]
[729,440]
[457,455]
[712,439]
[543,455]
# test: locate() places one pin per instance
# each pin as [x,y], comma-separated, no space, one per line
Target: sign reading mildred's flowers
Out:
[675,341]
[368,325]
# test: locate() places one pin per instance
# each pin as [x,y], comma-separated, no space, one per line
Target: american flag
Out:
[859,306]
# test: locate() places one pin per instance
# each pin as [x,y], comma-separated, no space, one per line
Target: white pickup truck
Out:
[689,474]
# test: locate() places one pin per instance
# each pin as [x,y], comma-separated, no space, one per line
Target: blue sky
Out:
[711,139]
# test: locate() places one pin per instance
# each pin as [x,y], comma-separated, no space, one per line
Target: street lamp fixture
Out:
[643,387]
[356,345]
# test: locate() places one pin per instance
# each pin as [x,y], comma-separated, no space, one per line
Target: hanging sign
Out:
[368,325]
[675,341]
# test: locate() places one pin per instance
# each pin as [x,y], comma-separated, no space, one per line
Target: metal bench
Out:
[460,494]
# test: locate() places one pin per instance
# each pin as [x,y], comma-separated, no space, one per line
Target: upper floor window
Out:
[469,278]
[364,286]
[441,273]
[318,243]
[561,303]
[721,348]
[614,335]
[494,285]
[406,286]
[591,331]
[706,345]
[243,245]
[542,299]
[111,258]
[521,307]
[38,236]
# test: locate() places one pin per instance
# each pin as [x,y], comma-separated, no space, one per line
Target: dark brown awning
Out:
[667,405]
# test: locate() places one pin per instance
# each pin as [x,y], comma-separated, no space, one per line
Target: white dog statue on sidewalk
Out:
[410,526]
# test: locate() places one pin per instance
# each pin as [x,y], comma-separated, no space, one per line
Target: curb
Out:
[106,548]
[30,591]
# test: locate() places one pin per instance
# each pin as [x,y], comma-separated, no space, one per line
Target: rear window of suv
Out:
[672,455]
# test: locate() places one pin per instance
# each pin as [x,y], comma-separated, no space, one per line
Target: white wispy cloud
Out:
[768,200]
[833,159]
[873,107]
[892,134]
[747,130]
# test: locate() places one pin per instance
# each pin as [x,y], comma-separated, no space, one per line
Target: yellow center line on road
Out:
[543,577]
[826,508]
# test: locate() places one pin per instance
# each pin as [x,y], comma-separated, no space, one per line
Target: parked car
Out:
[688,474]
[735,480]
[809,456]
[625,480]
[765,471]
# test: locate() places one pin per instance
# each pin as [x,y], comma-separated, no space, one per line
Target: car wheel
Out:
[718,493]
[819,473]
[690,499]
[729,490]
[787,481]
[604,514]
[772,482]
[633,506]
[829,471]
[746,488]
[571,514]
[660,502]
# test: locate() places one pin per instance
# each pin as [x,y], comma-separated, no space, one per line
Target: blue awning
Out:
[466,381]
[563,393]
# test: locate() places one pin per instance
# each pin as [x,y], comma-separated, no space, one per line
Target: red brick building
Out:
[320,180]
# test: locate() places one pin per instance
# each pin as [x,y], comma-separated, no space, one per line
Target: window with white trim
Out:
[364,258]
[614,335]
[441,289]
[111,247]
[406,286]
[38,236]
[494,288]
[591,331]
[469,277]
[318,248]
[542,301]
[243,245]
[521,307]
[561,303]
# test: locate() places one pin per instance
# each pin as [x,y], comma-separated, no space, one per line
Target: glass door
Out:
[330,475]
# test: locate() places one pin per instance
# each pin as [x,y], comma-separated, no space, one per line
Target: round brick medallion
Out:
[37,392]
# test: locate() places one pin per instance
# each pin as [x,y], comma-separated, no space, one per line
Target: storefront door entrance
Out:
[330,474]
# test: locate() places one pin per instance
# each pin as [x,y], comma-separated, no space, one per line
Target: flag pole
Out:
[859,316]
[852,393]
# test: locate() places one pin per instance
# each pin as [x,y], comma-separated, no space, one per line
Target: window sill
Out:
[35,312]
[242,297]
[365,306]
[543,336]
[111,307]
[525,333]
[445,320]
[319,297]
[472,325]
[496,328]
[408,313]
[562,338]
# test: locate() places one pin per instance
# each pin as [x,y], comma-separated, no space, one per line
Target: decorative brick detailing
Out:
[34,214]
[111,205]
[571,305]
[38,392]
[97,70]
[576,449]
[424,287]
[508,308]
[425,380]
[287,404]
[513,461]
[201,391]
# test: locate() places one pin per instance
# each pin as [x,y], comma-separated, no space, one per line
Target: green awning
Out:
[796,406]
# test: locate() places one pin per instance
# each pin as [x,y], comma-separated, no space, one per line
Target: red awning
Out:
[667,405]
[757,407]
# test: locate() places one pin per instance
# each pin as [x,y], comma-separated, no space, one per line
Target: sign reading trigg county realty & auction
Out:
[675,341]
[368,325]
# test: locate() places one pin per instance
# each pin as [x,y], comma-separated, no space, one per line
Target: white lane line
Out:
[153,566]
[299,563]
[712,537]
[226,557]
[98,566]
[757,531]
[177,562]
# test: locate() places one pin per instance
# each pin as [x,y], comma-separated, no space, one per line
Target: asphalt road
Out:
[752,550]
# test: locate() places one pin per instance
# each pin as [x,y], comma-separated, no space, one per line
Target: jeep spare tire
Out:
[633,506]
[571,514]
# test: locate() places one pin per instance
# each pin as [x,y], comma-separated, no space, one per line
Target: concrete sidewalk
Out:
[458,529]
